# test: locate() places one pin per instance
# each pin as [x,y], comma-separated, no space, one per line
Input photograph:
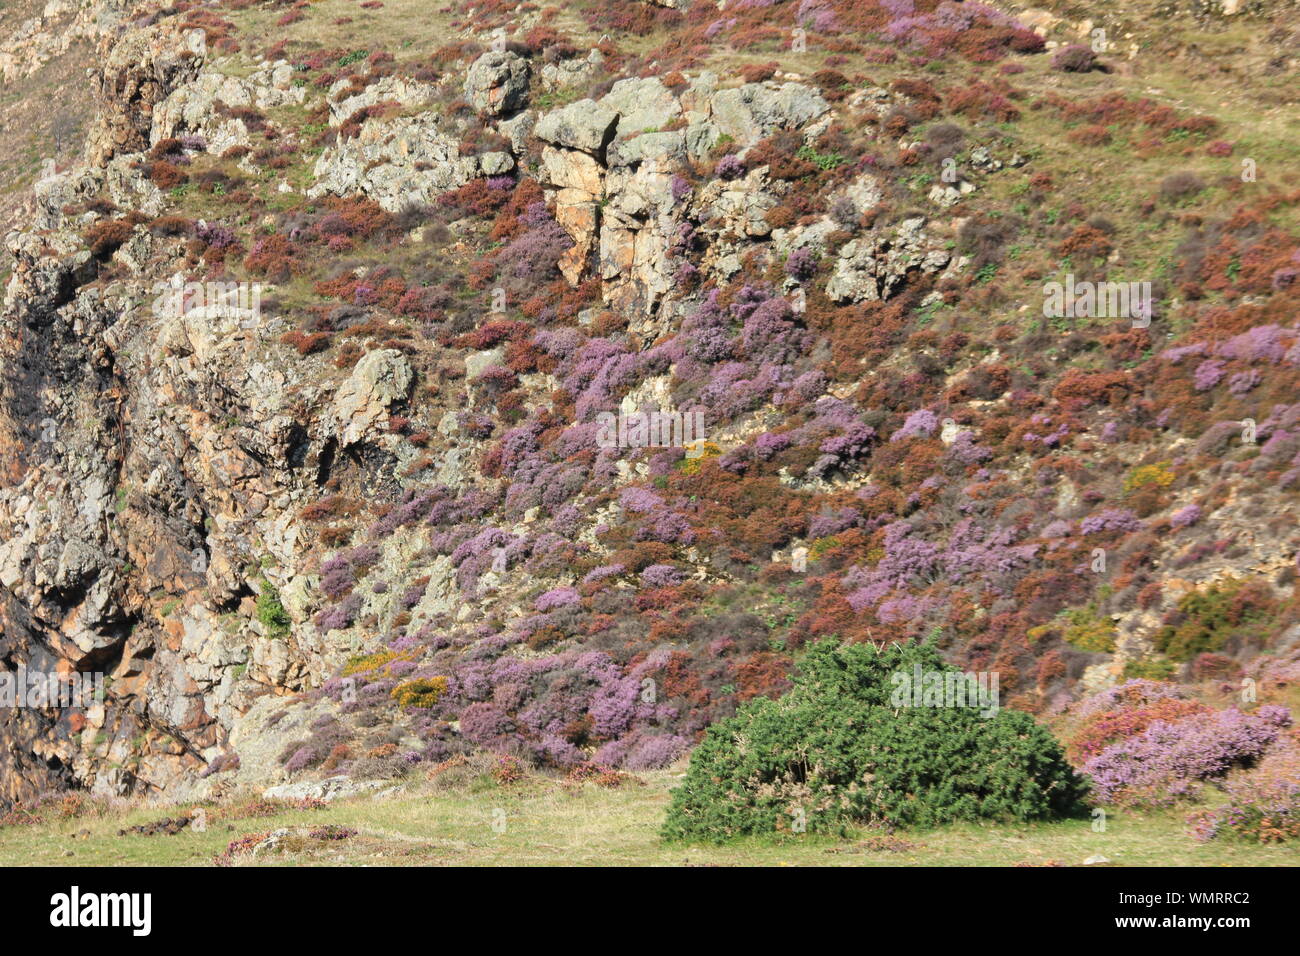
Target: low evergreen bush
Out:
[836,751]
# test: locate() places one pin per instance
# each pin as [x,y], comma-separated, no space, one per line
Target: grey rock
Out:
[585,125]
[875,266]
[497,83]
[751,112]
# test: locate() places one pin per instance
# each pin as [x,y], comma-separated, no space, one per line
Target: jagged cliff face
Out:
[365,517]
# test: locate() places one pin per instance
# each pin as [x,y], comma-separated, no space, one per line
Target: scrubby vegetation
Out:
[1099,510]
[840,750]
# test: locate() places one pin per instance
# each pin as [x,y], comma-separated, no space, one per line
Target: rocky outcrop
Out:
[379,380]
[159,460]
[575,71]
[497,83]
[404,162]
[196,108]
[53,31]
[140,71]
[613,166]
[873,267]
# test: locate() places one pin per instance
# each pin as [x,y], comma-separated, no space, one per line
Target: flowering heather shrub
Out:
[639,500]
[661,576]
[985,557]
[533,258]
[1111,519]
[1263,343]
[729,167]
[302,758]
[602,572]
[771,443]
[339,616]
[595,373]
[837,750]
[222,763]
[216,236]
[1168,761]
[652,751]
[337,576]
[1243,382]
[706,333]
[770,335]
[1261,810]
[1056,529]
[1185,517]
[1104,728]
[922,423]
[905,608]
[965,450]
[734,388]
[484,724]
[556,598]
[801,264]
[827,523]
[1207,375]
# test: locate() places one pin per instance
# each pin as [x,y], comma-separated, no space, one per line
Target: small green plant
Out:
[823,161]
[270,612]
[1149,668]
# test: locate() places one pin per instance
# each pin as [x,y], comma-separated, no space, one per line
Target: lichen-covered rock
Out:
[379,380]
[403,162]
[574,71]
[408,94]
[497,83]
[750,112]
[876,266]
[586,125]
[140,72]
[192,108]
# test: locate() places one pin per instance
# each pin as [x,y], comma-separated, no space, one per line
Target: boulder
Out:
[497,83]
[331,788]
[380,379]
[876,266]
[585,125]
[756,110]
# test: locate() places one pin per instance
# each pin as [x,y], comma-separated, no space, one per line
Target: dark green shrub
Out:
[271,612]
[1205,620]
[835,752]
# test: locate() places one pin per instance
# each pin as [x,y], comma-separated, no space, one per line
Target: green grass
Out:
[549,822]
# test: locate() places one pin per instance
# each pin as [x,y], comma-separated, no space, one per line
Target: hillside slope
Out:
[372,513]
